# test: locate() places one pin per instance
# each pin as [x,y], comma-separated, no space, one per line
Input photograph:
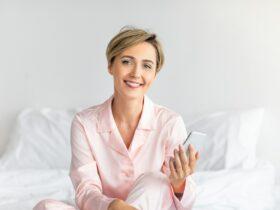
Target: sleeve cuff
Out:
[187,200]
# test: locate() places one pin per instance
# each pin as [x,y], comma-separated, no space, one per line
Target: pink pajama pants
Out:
[151,191]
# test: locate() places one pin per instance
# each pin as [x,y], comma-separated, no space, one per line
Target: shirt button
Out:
[127,173]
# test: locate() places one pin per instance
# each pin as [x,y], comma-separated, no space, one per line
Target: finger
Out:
[192,159]
[172,168]
[184,158]
[178,164]
[197,155]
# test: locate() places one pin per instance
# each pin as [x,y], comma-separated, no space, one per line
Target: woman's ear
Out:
[110,69]
[156,73]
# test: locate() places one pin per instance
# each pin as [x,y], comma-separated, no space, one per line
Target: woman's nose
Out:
[136,71]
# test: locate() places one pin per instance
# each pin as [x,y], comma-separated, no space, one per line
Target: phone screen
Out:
[197,139]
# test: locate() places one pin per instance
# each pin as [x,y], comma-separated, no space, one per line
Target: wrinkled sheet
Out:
[216,190]
[237,189]
[22,189]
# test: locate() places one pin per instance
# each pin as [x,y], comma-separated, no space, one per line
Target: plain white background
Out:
[220,54]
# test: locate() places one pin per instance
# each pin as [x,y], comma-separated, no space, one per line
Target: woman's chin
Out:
[134,95]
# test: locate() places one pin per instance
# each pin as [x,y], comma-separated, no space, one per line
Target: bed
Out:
[229,175]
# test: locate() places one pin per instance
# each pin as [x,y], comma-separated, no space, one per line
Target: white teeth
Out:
[132,84]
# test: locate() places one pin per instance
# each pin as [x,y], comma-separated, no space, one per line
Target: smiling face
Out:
[134,70]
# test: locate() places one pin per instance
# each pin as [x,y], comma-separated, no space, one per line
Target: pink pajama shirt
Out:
[103,169]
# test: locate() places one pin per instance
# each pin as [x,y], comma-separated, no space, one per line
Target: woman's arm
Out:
[83,171]
[184,189]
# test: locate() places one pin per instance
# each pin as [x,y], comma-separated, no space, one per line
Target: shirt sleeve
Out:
[83,171]
[177,133]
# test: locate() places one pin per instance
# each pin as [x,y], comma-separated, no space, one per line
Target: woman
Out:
[127,152]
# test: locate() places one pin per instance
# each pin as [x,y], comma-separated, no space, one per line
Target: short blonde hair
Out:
[129,36]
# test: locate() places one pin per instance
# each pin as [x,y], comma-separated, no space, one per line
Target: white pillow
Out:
[232,137]
[40,140]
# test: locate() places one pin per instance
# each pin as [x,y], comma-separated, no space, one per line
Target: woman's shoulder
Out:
[166,114]
[89,113]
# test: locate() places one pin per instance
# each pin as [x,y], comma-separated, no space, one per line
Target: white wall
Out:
[219,54]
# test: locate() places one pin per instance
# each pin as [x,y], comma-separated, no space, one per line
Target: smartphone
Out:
[197,139]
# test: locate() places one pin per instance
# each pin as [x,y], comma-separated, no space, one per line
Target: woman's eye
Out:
[125,61]
[147,66]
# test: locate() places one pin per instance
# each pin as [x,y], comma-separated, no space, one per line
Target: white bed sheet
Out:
[237,189]
[216,190]
[22,189]
[277,190]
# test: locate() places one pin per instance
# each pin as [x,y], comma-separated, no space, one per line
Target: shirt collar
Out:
[106,120]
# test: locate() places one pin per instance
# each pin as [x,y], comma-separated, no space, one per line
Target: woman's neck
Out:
[127,111]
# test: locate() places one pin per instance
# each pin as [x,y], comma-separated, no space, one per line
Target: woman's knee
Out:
[50,204]
[43,204]
[151,190]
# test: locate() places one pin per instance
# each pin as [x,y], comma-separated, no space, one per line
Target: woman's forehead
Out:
[141,51]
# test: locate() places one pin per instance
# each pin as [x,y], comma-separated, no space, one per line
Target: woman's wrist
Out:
[179,188]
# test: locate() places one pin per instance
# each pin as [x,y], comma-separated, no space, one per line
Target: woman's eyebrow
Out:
[129,56]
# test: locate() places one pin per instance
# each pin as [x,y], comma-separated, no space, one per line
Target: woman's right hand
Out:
[119,204]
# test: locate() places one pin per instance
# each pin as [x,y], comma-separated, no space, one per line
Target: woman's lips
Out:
[132,84]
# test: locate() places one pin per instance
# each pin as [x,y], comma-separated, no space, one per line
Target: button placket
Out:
[129,169]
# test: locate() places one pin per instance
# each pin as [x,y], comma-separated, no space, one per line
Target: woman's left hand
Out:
[182,166]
